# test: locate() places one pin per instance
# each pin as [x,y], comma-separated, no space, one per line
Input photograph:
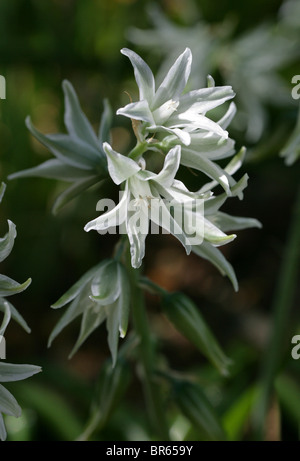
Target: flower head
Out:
[167,109]
[159,198]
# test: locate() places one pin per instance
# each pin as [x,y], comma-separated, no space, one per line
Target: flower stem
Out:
[147,356]
[138,150]
[282,304]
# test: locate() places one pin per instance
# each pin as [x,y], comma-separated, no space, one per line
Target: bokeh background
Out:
[42,43]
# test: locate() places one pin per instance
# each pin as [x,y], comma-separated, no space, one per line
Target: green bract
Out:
[101,294]
[80,158]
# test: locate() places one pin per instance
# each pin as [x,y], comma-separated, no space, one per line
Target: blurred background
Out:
[253,46]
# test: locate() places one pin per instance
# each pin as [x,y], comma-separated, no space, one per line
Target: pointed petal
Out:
[105,286]
[105,124]
[124,301]
[205,99]
[53,169]
[91,319]
[8,404]
[225,121]
[229,223]
[143,75]
[7,242]
[76,122]
[10,287]
[120,167]
[212,254]
[137,111]
[182,135]
[75,289]
[175,80]
[10,372]
[112,218]
[192,159]
[137,229]
[15,315]
[171,164]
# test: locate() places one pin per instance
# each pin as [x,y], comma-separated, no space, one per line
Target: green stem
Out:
[147,356]
[282,304]
[138,150]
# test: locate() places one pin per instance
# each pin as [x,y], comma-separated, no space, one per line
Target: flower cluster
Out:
[185,132]
[10,372]
[170,120]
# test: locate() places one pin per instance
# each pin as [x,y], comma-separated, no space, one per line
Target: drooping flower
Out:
[79,157]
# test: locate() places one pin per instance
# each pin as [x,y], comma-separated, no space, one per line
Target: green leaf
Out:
[196,407]
[236,418]
[10,287]
[10,372]
[113,383]
[8,403]
[186,318]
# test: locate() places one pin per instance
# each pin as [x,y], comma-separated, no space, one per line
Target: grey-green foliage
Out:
[10,372]
[79,156]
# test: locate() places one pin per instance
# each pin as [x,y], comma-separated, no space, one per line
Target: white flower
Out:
[159,198]
[166,109]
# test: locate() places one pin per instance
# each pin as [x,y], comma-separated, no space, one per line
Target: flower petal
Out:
[76,122]
[112,218]
[167,175]
[120,167]
[175,80]
[137,111]
[143,75]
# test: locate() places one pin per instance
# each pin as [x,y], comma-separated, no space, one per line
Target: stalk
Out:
[147,355]
[282,304]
